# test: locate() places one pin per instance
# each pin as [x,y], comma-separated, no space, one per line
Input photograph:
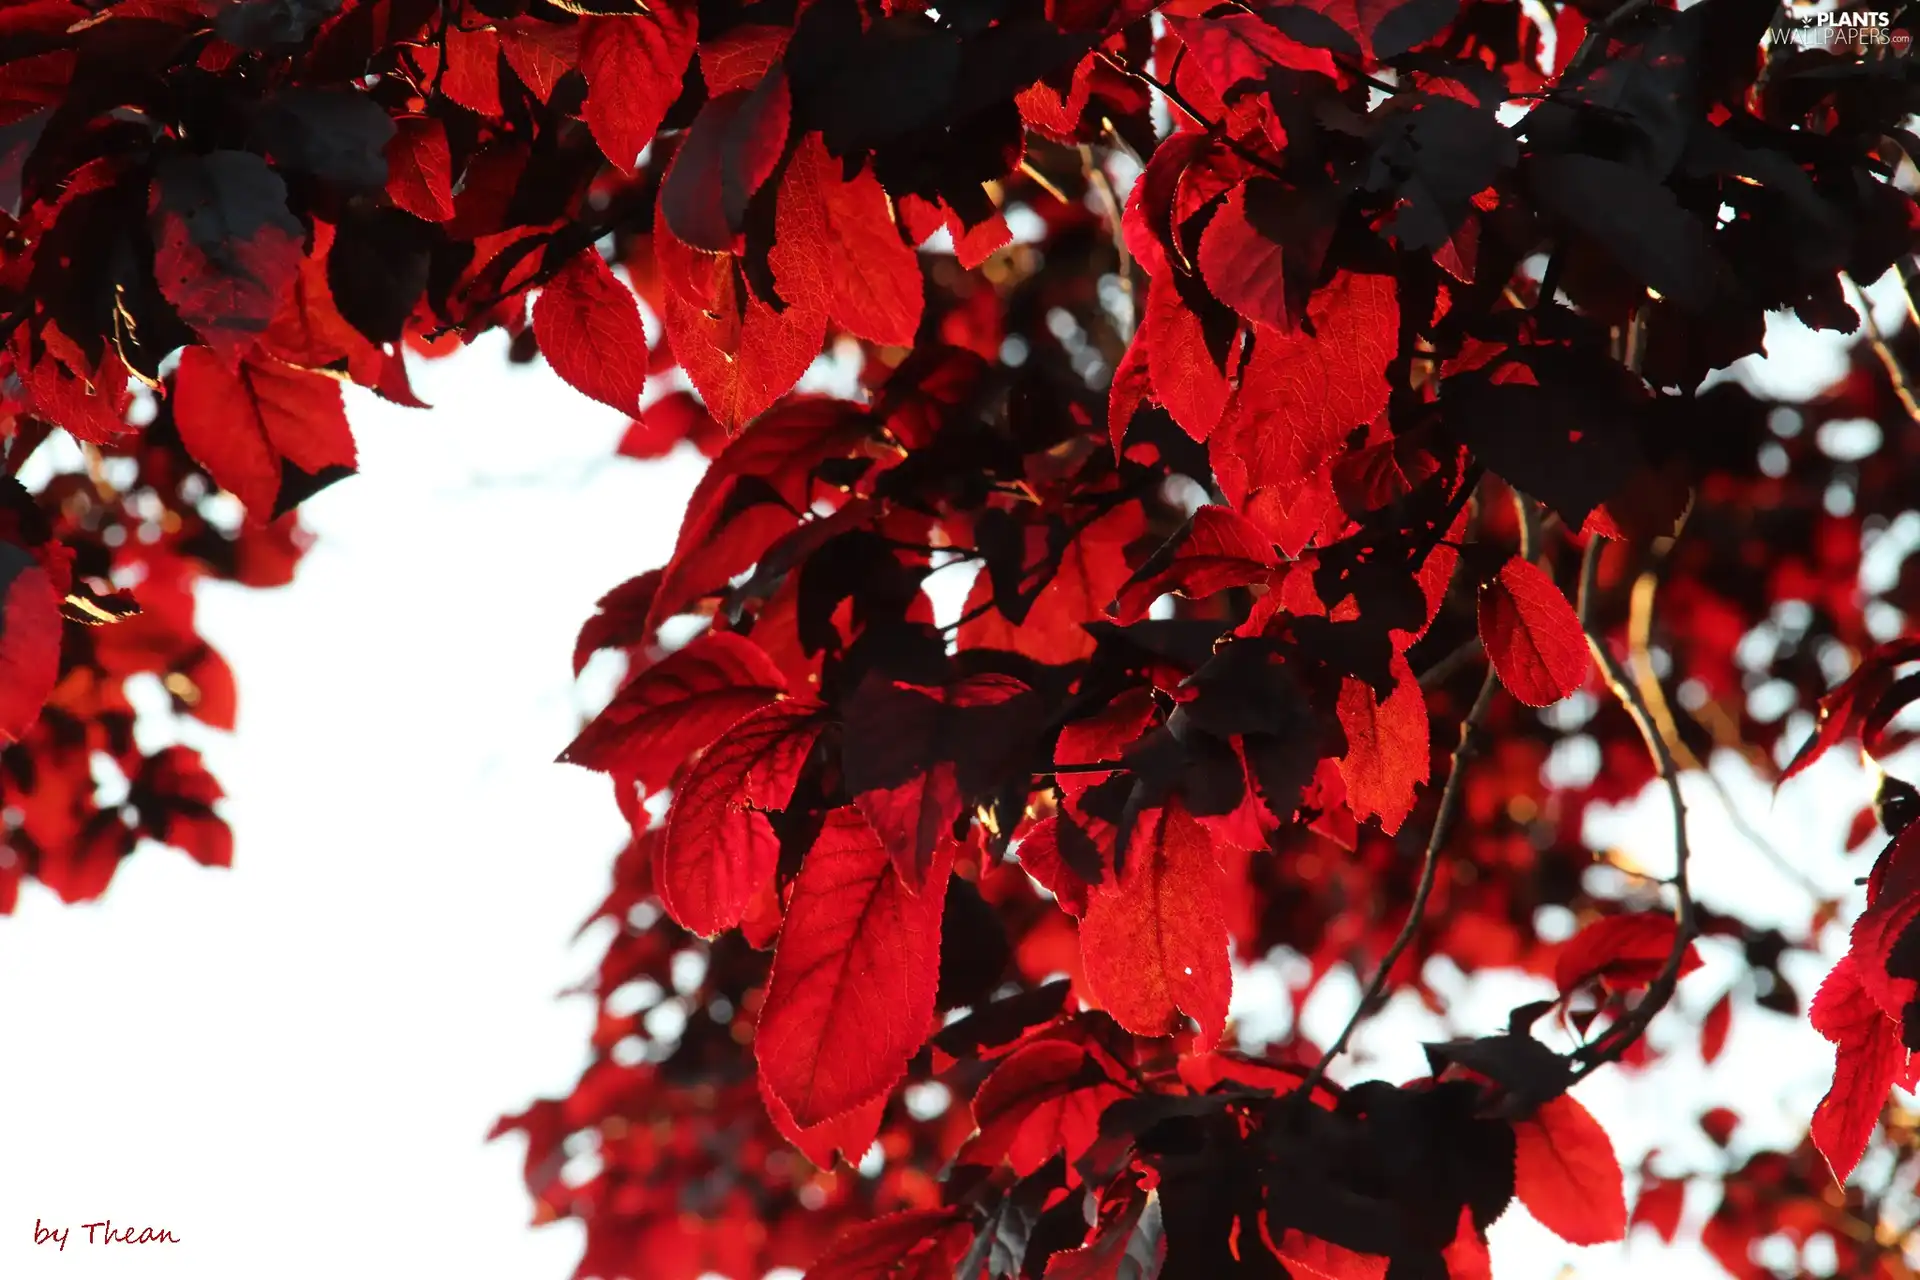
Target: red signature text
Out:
[102,1232]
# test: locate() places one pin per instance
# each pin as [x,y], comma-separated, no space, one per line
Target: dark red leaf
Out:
[915,757]
[733,146]
[226,248]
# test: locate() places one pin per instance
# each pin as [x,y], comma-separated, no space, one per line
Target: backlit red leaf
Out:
[590,331]
[240,424]
[1313,1259]
[836,246]
[1868,1059]
[1218,549]
[912,1243]
[854,974]
[719,848]
[1242,265]
[634,65]
[1303,392]
[1623,952]
[1155,943]
[29,640]
[671,710]
[1566,1174]
[420,168]
[1386,746]
[1532,634]
[1188,379]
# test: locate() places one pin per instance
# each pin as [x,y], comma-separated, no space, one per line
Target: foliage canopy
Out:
[1256,417]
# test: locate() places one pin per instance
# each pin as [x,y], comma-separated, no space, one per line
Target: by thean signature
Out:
[102,1232]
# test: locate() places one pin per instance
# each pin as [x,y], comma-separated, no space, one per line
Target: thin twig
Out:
[1896,373]
[1640,662]
[1621,1036]
[1443,820]
[1110,201]
[1214,128]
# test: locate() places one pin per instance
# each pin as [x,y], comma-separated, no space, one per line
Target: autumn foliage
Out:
[1225,429]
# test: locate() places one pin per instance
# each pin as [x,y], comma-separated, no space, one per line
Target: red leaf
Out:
[1117,1240]
[837,248]
[634,65]
[740,354]
[1044,1097]
[719,848]
[1566,1174]
[1040,857]
[226,249]
[1625,952]
[1155,943]
[1386,746]
[851,1135]
[915,757]
[1241,266]
[590,331]
[1714,1028]
[619,620]
[669,420]
[1187,379]
[1893,905]
[733,146]
[669,711]
[540,53]
[420,168]
[1301,393]
[850,999]
[1092,567]
[239,425]
[1532,635]
[1661,1202]
[1217,549]
[1313,1259]
[1868,1059]
[29,640]
[884,1248]
[473,69]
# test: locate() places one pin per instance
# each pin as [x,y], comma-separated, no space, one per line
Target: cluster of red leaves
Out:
[1255,466]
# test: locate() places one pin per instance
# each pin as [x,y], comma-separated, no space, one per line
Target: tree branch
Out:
[1621,1036]
[1443,820]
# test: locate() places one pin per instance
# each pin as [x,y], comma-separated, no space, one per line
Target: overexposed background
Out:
[293,1065]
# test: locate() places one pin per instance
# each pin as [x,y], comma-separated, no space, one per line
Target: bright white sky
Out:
[292,1065]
